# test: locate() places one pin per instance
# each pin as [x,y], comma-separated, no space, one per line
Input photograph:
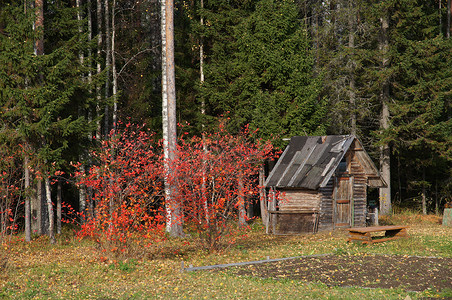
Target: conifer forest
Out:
[132,118]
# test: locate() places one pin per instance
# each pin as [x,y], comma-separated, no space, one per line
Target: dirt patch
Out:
[373,271]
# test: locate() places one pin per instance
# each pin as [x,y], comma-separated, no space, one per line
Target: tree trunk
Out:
[82,189]
[201,67]
[39,50]
[36,209]
[113,63]
[424,193]
[385,167]
[271,220]
[99,66]
[78,3]
[59,206]
[173,209]
[39,26]
[351,45]
[262,196]
[241,206]
[436,198]
[385,152]
[27,200]
[82,193]
[50,211]
[165,114]
[203,112]
[107,66]
[90,73]
[449,13]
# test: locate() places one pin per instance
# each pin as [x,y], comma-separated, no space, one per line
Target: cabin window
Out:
[342,166]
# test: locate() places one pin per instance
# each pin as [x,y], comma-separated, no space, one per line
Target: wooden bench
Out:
[363,234]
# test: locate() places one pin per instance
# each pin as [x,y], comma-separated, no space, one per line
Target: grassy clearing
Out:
[74,270]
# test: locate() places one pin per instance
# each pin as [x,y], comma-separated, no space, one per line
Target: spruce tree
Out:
[41,94]
[421,127]
[261,73]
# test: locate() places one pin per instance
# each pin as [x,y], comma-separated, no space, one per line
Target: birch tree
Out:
[113,63]
[107,66]
[98,66]
[173,211]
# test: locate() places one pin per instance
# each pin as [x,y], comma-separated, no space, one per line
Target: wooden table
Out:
[363,234]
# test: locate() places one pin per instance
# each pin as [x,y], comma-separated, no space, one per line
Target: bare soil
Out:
[372,271]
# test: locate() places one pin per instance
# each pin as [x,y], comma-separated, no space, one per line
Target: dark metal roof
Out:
[309,162]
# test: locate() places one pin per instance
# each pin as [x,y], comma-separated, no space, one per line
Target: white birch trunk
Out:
[203,112]
[99,66]
[50,211]
[107,66]
[173,209]
[113,63]
[81,190]
[201,66]
[165,114]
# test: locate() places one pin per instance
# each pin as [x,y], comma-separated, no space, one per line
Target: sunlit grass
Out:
[74,270]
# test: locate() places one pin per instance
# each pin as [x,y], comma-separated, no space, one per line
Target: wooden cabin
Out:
[320,183]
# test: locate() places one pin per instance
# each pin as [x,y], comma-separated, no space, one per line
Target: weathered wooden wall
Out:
[300,199]
[359,187]
[326,206]
[295,223]
[298,211]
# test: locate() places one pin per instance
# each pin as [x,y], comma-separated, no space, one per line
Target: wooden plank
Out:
[293,211]
[377,228]
[360,236]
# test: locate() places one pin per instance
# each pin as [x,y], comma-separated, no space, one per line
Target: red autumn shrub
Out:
[11,192]
[125,210]
[212,176]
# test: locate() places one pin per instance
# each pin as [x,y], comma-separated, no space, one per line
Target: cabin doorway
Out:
[342,204]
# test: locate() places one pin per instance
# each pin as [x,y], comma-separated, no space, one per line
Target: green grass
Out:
[74,270]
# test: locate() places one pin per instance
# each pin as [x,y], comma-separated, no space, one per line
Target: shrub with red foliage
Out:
[11,190]
[212,176]
[126,186]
